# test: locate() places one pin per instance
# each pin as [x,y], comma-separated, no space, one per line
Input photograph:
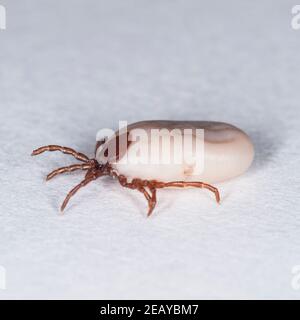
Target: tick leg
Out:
[184,184]
[152,203]
[79,156]
[68,169]
[153,185]
[140,185]
[74,190]
[151,199]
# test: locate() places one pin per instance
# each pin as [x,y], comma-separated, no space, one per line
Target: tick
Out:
[225,153]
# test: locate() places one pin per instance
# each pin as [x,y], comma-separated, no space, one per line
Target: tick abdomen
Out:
[225,152]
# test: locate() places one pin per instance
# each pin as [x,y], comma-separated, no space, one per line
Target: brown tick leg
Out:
[79,156]
[152,202]
[91,175]
[184,184]
[71,168]
[140,185]
[151,199]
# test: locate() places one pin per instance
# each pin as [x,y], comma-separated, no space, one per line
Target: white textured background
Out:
[69,68]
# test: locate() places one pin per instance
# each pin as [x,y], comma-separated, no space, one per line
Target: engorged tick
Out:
[227,152]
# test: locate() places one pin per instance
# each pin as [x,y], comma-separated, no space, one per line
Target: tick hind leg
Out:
[184,184]
[153,185]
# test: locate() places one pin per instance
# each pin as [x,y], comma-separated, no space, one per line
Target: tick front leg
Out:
[71,168]
[90,176]
[77,155]
[184,184]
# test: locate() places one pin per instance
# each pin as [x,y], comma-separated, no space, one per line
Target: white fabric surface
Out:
[69,68]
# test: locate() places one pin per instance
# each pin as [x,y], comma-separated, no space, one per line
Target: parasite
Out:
[146,164]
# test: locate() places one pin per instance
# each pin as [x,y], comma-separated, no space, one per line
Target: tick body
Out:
[151,155]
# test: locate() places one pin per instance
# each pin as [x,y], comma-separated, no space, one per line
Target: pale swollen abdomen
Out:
[227,152]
